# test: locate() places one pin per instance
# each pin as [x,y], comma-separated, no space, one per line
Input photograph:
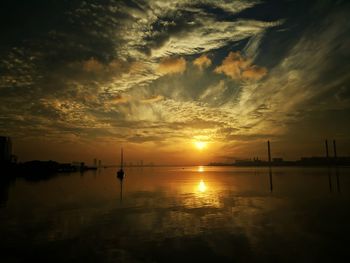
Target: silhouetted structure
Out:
[303,161]
[5,149]
[327,153]
[270,169]
[120,173]
[79,166]
[269,151]
[5,183]
[336,165]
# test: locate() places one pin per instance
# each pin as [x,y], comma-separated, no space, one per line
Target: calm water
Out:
[196,214]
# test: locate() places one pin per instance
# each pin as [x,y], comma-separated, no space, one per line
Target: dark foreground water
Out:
[196,214]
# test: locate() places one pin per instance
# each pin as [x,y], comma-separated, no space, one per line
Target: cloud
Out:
[153,99]
[172,65]
[205,33]
[113,68]
[202,62]
[92,65]
[238,67]
[302,83]
[122,67]
[233,65]
[213,93]
[254,73]
[118,98]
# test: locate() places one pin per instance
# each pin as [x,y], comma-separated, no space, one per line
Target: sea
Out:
[178,214]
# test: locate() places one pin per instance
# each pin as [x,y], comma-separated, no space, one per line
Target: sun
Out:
[200,145]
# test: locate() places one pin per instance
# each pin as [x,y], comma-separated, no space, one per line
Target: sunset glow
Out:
[200,145]
[175,131]
[164,78]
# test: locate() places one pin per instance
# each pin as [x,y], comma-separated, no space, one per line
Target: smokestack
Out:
[269,151]
[335,149]
[326,144]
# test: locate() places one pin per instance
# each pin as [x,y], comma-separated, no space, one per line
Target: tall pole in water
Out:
[329,169]
[270,171]
[336,164]
[335,150]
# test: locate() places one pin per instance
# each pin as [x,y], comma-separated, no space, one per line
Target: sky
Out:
[174,82]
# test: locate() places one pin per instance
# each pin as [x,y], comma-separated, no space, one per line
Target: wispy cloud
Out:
[159,70]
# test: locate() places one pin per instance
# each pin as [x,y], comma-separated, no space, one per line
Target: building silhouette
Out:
[5,149]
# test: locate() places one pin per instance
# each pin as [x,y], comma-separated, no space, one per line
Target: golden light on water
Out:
[202,187]
[200,169]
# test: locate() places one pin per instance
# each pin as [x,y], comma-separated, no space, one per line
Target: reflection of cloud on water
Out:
[201,199]
[209,225]
[193,213]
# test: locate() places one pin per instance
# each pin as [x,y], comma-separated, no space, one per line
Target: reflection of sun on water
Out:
[202,187]
[200,169]
[203,194]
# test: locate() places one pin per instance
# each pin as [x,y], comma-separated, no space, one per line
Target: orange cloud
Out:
[92,65]
[254,73]
[119,99]
[114,67]
[172,65]
[202,62]
[238,67]
[153,99]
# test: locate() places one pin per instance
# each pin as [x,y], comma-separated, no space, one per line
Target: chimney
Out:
[269,151]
